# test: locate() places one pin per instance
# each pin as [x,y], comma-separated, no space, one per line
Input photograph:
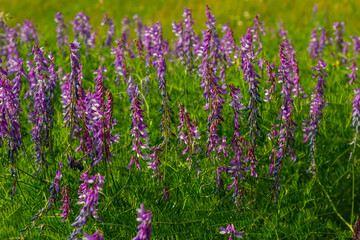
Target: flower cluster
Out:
[66,205]
[356,115]
[312,123]
[10,123]
[96,236]
[213,92]
[61,34]
[89,197]
[139,133]
[230,229]
[42,102]
[55,187]
[103,122]
[28,32]
[227,44]
[339,30]
[119,62]
[189,127]
[286,138]
[144,216]
[352,76]
[82,28]
[111,30]
[271,74]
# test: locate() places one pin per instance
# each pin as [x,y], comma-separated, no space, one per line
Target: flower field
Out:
[179,120]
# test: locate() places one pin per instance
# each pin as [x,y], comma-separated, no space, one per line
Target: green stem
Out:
[333,206]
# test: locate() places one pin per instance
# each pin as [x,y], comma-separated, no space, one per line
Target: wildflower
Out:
[103,120]
[89,197]
[313,46]
[311,124]
[356,115]
[96,236]
[144,216]
[227,44]
[28,32]
[82,28]
[230,229]
[339,30]
[189,133]
[66,205]
[120,67]
[356,233]
[356,41]
[61,34]
[55,188]
[271,74]
[139,133]
[111,29]
[352,76]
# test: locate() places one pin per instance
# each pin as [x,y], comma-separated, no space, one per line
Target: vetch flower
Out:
[139,133]
[111,30]
[66,205]
[89,197]
[352,76]
[96,236]
[230,229]
[144,216]
[61,33]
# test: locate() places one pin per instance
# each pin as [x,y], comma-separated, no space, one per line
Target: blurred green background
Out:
[297,15]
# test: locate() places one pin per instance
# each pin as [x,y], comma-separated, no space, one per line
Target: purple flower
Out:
[356,116]
[28,32]
[12,45]
[339,30]
[177,29]
[213,92]
[89,197]
[256,31]
[120,67]
[230,229]
[81,27]
[215,43]
[10,123]
[286,138]
[227,44]
[103,120]
[323,41]
[139,133]
[42,115]
[55,189]
[125,30]
[111,29]
[66,205]
[139,27]
[252,77]
[271,74]
[356,233]
[352,76]
[188,37]
[96,236]
[312,123]
[144,216]
[61,33]
[188,133]
[313,47]
[356,41]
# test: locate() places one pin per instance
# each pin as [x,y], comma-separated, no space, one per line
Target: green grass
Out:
[306,208]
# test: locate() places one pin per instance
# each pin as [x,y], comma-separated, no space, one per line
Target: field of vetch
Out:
[181,124]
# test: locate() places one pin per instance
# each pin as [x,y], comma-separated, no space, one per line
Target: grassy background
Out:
[307,208]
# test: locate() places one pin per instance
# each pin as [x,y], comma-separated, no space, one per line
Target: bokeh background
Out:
[297,15]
